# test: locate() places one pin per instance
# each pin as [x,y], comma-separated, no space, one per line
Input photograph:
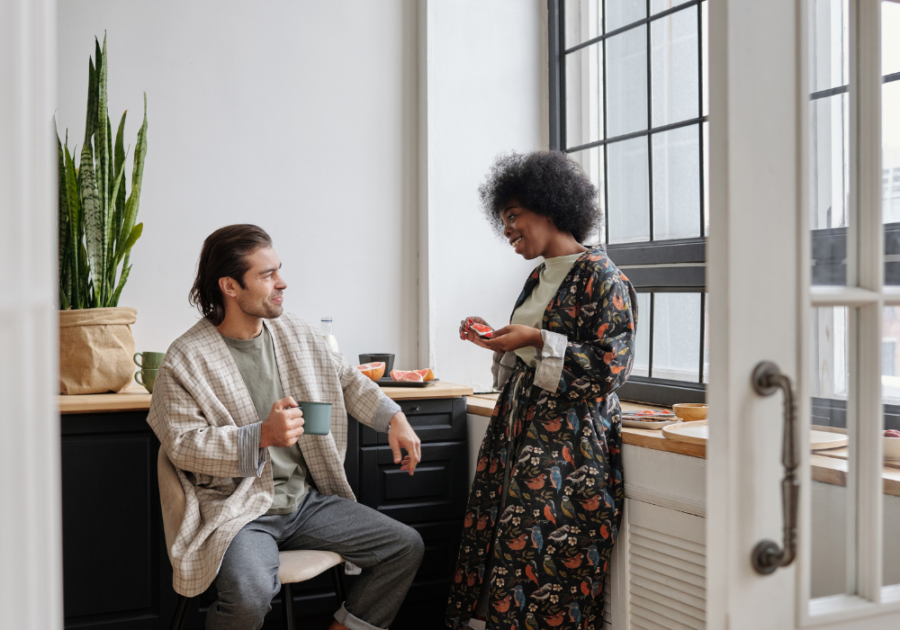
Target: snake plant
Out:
[96,218]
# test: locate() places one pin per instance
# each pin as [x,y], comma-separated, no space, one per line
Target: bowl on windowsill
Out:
[689,412]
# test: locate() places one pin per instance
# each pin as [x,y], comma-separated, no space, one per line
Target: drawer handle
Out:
[415,408]
[768,555]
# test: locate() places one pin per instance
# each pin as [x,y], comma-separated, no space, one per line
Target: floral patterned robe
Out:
[556,527]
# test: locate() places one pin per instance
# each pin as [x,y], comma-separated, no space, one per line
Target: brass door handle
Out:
[768,555]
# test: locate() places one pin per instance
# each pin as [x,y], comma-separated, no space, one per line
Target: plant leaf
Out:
[91,102]
[93,222]
[63,224]
[113,258]
[101,148]
[129,242]
[76,231]
[119,200]
[114,301]
[137,175]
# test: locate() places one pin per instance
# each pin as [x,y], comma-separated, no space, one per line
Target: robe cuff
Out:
[550,360]
[252,458]
[387,409]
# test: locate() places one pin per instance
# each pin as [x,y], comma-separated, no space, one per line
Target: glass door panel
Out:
[832,555]
[890,389]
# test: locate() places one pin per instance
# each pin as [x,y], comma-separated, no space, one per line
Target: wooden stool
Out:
[295,566]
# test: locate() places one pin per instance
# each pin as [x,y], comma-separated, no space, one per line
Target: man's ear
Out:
[228,286]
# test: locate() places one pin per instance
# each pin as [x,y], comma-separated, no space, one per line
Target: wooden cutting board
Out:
[698,433]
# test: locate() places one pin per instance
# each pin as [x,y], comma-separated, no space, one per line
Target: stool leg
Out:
[287,602]
[180,611]
[337,575]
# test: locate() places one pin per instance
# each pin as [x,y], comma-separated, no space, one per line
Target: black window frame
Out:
[664,266]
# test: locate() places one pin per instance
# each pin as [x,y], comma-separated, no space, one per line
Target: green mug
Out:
[316,417]
[149,360]
[147,378]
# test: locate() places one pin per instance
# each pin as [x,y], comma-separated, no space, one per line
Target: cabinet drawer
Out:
[436,492]
[437,420]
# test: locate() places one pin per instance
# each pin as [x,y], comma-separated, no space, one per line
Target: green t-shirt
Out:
[255,359]
[531,312]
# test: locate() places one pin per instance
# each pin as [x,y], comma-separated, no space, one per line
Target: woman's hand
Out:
[470,335]
[513,337]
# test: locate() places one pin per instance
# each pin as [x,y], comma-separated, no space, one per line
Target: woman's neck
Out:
[566,245]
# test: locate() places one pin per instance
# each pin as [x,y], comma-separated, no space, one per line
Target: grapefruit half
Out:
[400,375]
[373,370]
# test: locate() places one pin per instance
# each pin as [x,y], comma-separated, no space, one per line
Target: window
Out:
[831,194]
[629,102]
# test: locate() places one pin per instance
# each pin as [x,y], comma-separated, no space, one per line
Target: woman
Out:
[546,503]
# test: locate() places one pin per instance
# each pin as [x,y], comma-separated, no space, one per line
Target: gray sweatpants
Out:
[388,552]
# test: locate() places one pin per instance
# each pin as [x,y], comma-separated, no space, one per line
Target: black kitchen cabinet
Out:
[116,574]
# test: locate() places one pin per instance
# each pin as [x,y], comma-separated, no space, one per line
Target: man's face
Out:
[263,295]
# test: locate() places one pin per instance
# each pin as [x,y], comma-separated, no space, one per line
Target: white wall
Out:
[299,116]
[341,127]
[485,96]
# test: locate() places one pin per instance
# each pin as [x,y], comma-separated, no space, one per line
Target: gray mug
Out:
[316,417]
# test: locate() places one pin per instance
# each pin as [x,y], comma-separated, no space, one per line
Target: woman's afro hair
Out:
[548,183]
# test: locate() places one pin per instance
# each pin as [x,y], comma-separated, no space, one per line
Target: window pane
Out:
[584,96]
[706,340]
[706,178]
[642,341]
[705,28]
[676,336]
[829,188]
[676,183]
[890,41]
[829,39]
[622,12]
[661,5]
[832,558]
[890,177]
[583,21]
[629,191]
[890,387]
[675,67]
[626,67]
[591,161]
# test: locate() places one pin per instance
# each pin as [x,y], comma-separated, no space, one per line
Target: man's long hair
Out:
[224,255]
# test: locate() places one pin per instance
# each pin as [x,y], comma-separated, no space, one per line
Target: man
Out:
[225,409]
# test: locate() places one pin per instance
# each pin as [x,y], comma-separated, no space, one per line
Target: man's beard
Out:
[266,309]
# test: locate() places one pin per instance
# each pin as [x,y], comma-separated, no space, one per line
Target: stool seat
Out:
[301,564]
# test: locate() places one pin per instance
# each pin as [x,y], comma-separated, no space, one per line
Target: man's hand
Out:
[402,436]
[513,337]
[284,426]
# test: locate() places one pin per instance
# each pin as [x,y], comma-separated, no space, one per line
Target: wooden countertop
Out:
[827,469]
[136,398]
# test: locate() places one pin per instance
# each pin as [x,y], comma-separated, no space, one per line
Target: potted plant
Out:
[97,230]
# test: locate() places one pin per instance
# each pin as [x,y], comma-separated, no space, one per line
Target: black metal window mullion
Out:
[650,340]
[702,334]
[605,128]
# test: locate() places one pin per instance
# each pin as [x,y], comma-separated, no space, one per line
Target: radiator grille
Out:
[667,581]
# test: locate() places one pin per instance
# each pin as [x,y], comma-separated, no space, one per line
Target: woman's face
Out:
[527,232]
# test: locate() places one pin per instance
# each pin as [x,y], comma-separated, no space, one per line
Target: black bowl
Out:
[387,359]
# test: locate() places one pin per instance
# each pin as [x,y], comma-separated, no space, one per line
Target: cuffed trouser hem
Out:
[344,616]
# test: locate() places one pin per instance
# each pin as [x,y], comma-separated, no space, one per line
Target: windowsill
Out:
[825,469]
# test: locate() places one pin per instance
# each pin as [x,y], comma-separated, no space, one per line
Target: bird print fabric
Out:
[550,537]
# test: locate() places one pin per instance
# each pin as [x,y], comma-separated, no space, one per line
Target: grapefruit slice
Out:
[427,374]
[373,370]
[481,330]
[400,375]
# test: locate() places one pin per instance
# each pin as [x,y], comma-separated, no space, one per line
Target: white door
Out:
[799,275]
[30,500]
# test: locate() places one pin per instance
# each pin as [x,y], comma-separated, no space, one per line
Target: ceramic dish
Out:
[643,424]
[388,382]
